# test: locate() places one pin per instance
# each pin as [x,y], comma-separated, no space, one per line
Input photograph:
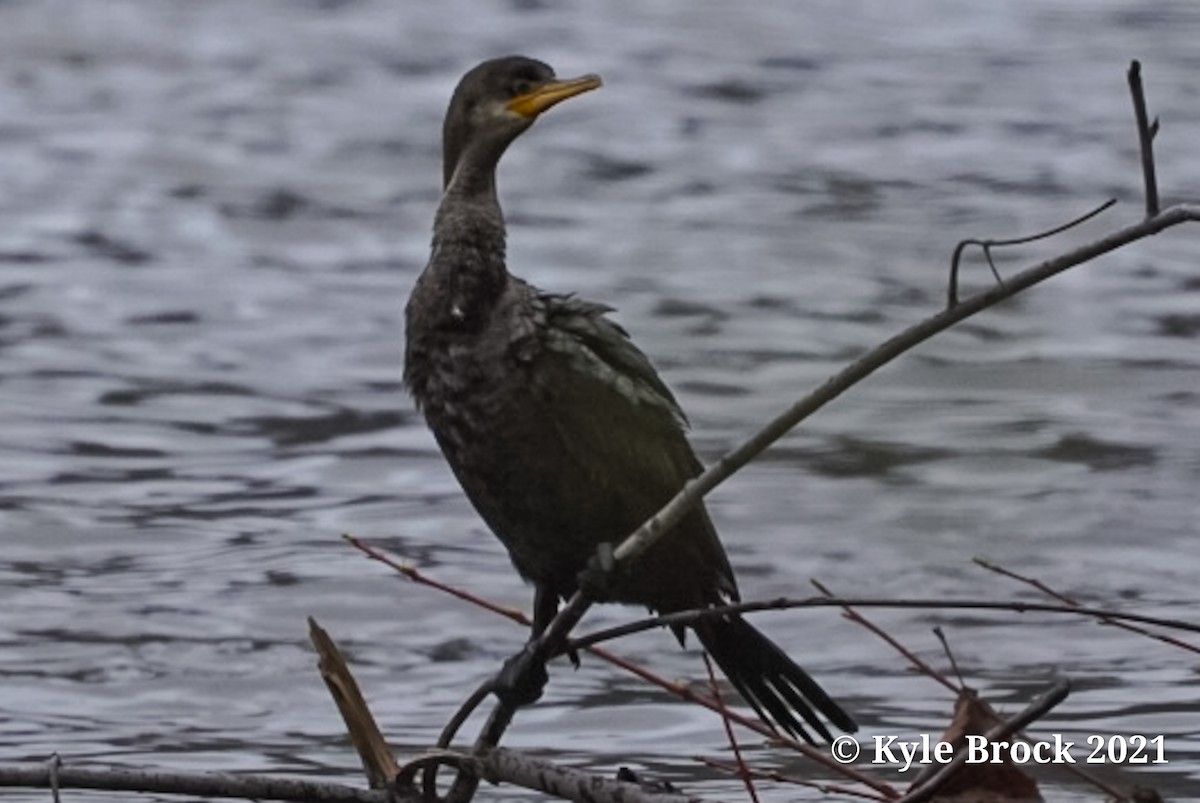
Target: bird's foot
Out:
[599,578]
[522,678]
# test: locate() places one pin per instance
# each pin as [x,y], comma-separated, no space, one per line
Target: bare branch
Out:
[505,766]
[55,765]
[463,713]
[497,766]
[921,666]
[743,772]
[1108,620]
[1146,133]
[988,245]
[567,783]
[784,603]
[941,636]
[207,784]
[418,577]
[671,513]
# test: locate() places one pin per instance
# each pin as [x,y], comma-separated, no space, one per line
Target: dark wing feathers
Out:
[623,428]
[586,323]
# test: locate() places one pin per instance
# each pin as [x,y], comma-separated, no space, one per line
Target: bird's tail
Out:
[771,683]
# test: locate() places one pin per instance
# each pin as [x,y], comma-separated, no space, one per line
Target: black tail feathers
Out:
[774,686]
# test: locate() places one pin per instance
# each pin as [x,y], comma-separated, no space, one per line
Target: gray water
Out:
[212,214]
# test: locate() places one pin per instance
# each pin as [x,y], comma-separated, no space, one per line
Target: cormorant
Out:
[558,428]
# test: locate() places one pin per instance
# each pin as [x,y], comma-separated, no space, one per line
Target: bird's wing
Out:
[623,429]
[607,351]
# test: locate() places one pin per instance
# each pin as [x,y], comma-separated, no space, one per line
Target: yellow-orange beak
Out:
[540,98]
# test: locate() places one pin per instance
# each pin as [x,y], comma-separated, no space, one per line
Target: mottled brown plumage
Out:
[558,428]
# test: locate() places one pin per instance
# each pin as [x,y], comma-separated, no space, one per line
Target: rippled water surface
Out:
[212,214]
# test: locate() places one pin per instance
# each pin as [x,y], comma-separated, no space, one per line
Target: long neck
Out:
[469,163]
[467,263]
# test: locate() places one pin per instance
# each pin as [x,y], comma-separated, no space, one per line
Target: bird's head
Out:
[495,102]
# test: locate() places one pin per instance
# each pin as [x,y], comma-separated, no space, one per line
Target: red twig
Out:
[412,573]
[743,771]
[911,657]
[1063,598]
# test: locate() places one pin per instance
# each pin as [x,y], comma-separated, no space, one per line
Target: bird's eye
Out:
[521,87]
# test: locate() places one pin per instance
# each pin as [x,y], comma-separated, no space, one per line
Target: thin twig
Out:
[463,713]
[988,245]
[465,783]
[911,657]
[1108,620]
[1034,711]
[941,636]
[55,766]
[414,574]
[687,618]
[743,771]
[1146,133]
